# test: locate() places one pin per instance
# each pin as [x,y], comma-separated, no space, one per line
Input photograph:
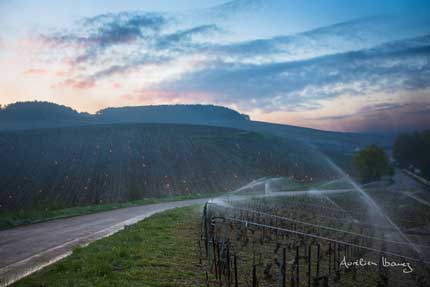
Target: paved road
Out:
[26,249]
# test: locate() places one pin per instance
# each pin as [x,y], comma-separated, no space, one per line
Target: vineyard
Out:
[268,233]
[91,165]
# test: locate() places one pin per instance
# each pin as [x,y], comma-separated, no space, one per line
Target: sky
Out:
[357,65]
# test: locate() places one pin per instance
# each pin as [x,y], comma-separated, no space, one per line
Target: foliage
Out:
[30,111]
[372,163]
[197,114]
[414,150]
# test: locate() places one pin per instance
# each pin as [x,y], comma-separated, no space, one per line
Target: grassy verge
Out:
[159,251]
[22,217]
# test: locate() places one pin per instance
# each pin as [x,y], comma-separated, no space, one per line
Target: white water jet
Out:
[236,197]
[221,202]
[251,185]
[267,189]
[318,192]
[370,202]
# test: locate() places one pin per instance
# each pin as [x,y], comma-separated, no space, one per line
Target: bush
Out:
[372,163]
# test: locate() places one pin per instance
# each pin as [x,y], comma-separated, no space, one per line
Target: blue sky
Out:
[330,64]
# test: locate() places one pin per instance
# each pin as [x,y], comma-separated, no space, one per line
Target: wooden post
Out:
[318,259]
[337,262]
[228,266]
[236,284]
[284,267]
[297,266]
[325,281]
[329,258]
[200,251]
[334,257]
[218,263]
[215,258]
[309,264]
[254,276]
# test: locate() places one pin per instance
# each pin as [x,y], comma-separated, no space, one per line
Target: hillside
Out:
[62,167]
[29,115]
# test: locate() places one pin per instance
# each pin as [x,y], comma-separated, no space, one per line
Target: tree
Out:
[412,150]
[372,163]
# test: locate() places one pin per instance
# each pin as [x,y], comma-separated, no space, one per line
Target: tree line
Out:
[412,151]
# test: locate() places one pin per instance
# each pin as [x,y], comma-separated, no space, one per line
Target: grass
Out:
[22,217]
[159,251]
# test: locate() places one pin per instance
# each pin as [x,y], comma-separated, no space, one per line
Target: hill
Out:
[62,167]
[29,115]
[30,111]
[190,114]
[339,146]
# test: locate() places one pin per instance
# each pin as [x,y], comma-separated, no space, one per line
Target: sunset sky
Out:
[359,65]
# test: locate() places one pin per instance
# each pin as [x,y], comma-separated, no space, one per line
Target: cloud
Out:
[153,38]
[354,35]
[153,97]
[139,33]
[111,29]
[82,84]
[287,72]
[383,117]
[298,85]
[370,110]
[168,46]
[235,6]
[380,107]
[93,39]
[35,71]
[171,41]
[110,44]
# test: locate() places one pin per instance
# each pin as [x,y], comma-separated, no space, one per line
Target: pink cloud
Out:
[127,97]
[154,97]
[380,118]
[173,96]
[77,84]
[150,95]
[35,72]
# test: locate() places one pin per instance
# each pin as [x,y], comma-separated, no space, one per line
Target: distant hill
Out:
[190,114]
[30,115]
[62,167]
[39,111]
